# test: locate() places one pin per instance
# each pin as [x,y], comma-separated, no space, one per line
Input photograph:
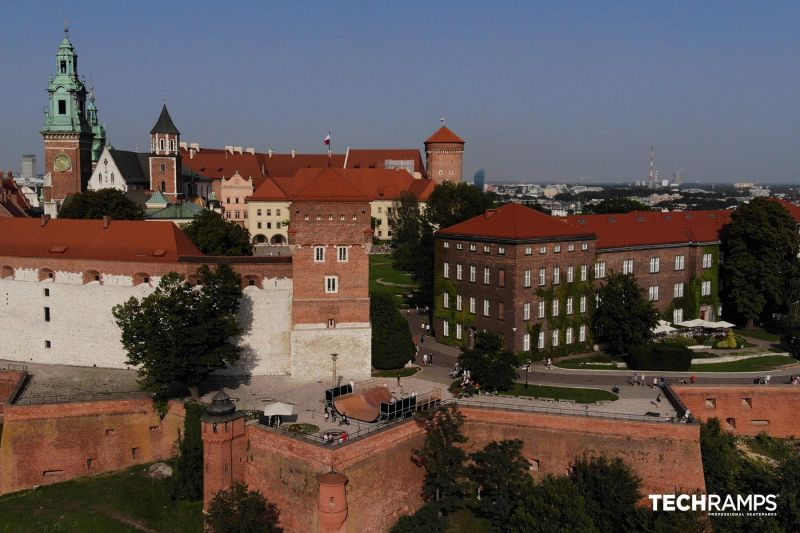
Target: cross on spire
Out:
[66,26]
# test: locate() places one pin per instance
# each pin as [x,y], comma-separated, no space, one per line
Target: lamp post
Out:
[334,356]
[527,368]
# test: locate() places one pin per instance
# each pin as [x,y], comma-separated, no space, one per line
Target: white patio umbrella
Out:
[723,325]
[663,327]
[278,409]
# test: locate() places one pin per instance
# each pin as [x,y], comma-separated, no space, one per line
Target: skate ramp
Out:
[363,405]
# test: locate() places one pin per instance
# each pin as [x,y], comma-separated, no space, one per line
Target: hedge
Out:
[666,357]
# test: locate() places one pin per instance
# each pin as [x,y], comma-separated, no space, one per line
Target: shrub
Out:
[187,483]
[238,510]
[392,346]
[665,357]
[730,341]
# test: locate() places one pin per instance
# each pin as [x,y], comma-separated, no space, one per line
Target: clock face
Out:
[62,163]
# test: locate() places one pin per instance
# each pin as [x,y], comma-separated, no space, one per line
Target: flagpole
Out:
[330,144]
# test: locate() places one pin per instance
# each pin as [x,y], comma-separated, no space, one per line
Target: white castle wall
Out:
[312,346]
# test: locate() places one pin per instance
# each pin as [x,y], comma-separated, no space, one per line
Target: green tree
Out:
[97,204]
[442,459]
[615,205]
[180,334]
[611,490]
[187,480]
[392,345]
[624,317]
[491,366]
[760,248]
[451,203]
[238,510]
[501,475]
[428,519]
[553,506]
[213,235]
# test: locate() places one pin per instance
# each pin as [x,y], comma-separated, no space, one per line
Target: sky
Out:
[539,90]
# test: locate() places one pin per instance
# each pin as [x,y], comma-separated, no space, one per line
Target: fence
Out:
[28,399]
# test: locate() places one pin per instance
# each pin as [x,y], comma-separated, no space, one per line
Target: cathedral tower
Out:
[165,157]
[445,153]
[67,133]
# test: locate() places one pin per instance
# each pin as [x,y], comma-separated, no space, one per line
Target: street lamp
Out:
[334,356]
[527,369]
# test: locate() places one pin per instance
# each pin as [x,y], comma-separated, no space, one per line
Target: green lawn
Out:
[588,363]
[380,268]
[117,502]
[562,393]
[758,333]
[463,520]
[755,364]
[400,372]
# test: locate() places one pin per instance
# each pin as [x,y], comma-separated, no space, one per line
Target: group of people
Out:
[330,415]
[334,437]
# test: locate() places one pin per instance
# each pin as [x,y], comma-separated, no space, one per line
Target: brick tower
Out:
[67,133]
[330,237]
[445,155]
[224,446]
[165,157]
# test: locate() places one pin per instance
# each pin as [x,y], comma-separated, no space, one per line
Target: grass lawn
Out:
[112,502]
[755,364]
[380,268]
[463,520]
[399,372]
[562,393]
[588,363]
[758,333]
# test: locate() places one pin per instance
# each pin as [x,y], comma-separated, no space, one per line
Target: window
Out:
[446,328]
[258,212]
[278,213]
[584,246]
[47,292]
[542,276]
[47,344]
[627,266]
[501,250]
[555,337]
[472,305]
[62,107]
[707,260]
[446,268]
[584,272]
[557,249]
[459,246]
[526,311]
[556,275]
[269,212]
[543,249]
[679,262]
[582,304]
[705,288]
[571,247]
[331,284]
[485,275]
[458,272]
[501,277]
[526,278]
[472,247]
[600,270]
[501,311]
[568,339]
[472,270]
[486,308]
[677,316]
[446,244]
[540,340]
[555,307]
[678,290]
[486,249]
[459,332]
[331,322]
[446,300]
[164,169]
[528,250]
[541,309]
[655,265]
[570,300]
[47,314]
[570,274]
[459,302]
[582,334]
[319,254]
[161,144]
[526,342]
[652,293]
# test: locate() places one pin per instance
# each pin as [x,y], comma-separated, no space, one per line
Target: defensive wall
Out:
[10,383]
[383,484]
[746,410]
[50,443]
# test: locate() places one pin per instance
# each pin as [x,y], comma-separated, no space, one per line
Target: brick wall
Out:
[45,444]
[10,381]
[445,161]
[77,147]
[746,410]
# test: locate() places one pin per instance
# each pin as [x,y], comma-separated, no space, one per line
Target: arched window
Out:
[161,144]
[45,274]
[172,144]
[141,277]
[7,272]
[90,276]
[163,186]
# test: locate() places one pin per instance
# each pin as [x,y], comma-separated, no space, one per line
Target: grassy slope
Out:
[380,267]
[580,395]
[756,364]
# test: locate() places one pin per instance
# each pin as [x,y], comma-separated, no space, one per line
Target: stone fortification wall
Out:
[45,444]
[746,410]
[10,381]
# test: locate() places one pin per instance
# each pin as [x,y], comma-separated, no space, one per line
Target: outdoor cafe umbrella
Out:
[278,409]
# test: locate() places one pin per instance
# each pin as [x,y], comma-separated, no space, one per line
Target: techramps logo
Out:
[718,505]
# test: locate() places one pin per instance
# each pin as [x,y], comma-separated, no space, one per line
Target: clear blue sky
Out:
[539,90]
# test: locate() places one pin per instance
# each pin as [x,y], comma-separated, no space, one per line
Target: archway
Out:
[260,239]
[278,239]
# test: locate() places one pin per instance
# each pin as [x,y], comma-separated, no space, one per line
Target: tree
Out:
[615,205]
[760,247]
[187,480]
[97,204]
[238,510]
[491,366]
[180,333]
[553,506]
[213,235]
[442,459]
[501,475]
[392,346]
[611,490]
[451,203]
[624,317]
[428,519]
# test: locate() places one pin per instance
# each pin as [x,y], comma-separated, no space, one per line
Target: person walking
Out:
[655,383]
[430,359]
[658,400]
[425,359]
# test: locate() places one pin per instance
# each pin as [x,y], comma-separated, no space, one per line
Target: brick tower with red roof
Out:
[165,157]
[445,152]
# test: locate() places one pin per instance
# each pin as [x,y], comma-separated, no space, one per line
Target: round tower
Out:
[332,503]
[224,446]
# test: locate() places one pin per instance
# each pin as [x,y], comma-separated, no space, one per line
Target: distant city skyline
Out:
[544,92]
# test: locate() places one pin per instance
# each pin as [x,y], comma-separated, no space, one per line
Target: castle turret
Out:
[98,129]
[224,446]
[445,154]
[332,502]
[165,157]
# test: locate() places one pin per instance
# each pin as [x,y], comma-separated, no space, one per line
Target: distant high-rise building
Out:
[653,177]
[28,167]
[479,180]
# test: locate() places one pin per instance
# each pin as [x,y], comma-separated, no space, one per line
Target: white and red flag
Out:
[327,139]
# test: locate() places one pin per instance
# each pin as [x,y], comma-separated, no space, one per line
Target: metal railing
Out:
[36,399]
[14,367]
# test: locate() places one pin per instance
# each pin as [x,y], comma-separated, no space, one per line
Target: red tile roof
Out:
[793,209]
[214,163]
[122,240]
[648,228]
[444,135]
[361,158]
[517,222]
[268,191]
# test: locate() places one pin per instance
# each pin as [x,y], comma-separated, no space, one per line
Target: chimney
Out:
[106,221]
[293,152]
[490,213]
[184,145]
[250,150]
[229,148]
[45,220]
[237,150]
[269,152]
